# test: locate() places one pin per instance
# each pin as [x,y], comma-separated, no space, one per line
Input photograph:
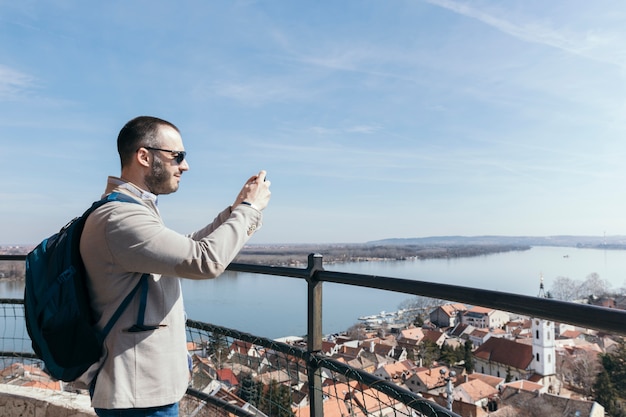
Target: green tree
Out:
[611,382]
[276,400]
[468,357]
[250,390]
[508,377]
[605,392]
[429,352]
[615,365]
[449,355]
[217,348]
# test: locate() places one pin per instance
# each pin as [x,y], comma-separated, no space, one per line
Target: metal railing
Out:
[307,365]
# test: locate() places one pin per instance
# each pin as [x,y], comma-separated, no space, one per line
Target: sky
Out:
[373,119]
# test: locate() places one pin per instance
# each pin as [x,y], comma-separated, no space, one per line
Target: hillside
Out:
[296,255]
[607,242]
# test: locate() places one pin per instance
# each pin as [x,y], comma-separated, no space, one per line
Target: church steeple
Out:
[544,345]
[542,293]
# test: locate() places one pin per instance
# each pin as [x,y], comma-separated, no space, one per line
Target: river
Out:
[273,307]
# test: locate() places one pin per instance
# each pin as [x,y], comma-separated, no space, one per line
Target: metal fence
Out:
[264,377]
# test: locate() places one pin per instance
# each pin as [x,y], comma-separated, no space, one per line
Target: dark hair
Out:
[138,132]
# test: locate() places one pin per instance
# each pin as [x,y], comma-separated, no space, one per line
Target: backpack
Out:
[56,301]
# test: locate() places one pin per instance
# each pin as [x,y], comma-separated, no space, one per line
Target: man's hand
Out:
[256,191]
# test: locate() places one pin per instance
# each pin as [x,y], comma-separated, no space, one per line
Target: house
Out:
[475,392]
[447,315]
[517,325]
[386,349]
[514,401]
[494,381]
[504,358]
[525,385]
[216,390]
[485,318]
[571,334]
[364,362]
[560,328]
[478,336]
[410,338]
[427,380]
[461,331]
[435,336]
[380,349]
[329,348]
[606,302]
[247,355]
[354,399]
[349,352]
[283,377]
[239,347]
[397,372]
[227,377]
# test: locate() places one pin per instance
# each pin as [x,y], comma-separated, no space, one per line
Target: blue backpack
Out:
[56,301]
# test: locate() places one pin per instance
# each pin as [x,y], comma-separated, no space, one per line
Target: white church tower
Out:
[544,348]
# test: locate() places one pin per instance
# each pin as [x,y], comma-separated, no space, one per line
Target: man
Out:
[146,372]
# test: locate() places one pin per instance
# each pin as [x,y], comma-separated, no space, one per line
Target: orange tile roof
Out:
[477,390]
[451,309]
[494,381]
[480,310]
[431,377]
[525,385]
[413,333]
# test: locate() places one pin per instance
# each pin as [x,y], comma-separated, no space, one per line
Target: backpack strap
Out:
[139,326]
[142,284]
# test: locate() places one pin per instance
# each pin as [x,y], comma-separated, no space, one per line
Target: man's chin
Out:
[169,190]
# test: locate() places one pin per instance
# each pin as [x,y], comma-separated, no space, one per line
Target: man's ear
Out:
[143,157]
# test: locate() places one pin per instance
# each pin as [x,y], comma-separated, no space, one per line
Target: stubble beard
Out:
[158,180]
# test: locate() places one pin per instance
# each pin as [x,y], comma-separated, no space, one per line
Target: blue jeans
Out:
[162,411]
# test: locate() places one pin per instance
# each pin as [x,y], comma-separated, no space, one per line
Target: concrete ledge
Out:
[18,401]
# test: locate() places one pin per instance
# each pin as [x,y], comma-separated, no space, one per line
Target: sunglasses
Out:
[179,156]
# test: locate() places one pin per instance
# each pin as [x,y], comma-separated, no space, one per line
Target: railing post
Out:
[314,334]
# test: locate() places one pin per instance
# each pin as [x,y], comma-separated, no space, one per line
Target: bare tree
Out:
[565,289]
[580,371]
[356,332]
[420,307]
[420,303]
[594,285]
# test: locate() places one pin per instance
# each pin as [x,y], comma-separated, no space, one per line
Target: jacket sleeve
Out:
[138,241]
[209,228]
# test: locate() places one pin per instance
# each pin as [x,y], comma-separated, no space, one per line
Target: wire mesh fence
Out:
[237,374]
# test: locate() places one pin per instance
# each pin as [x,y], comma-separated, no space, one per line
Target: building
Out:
[427,380]
[485,318]
[447,315]
[475,392]
[516,401]
[504,358]
[544,350]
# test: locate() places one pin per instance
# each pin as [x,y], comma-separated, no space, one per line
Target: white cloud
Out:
[596,43]
[14,83]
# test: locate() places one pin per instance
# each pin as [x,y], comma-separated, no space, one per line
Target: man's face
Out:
[165,172]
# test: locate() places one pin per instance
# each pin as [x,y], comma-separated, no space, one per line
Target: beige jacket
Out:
[120,242]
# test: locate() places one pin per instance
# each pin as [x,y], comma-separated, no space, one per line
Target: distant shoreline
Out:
[442,247]
[296,255]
